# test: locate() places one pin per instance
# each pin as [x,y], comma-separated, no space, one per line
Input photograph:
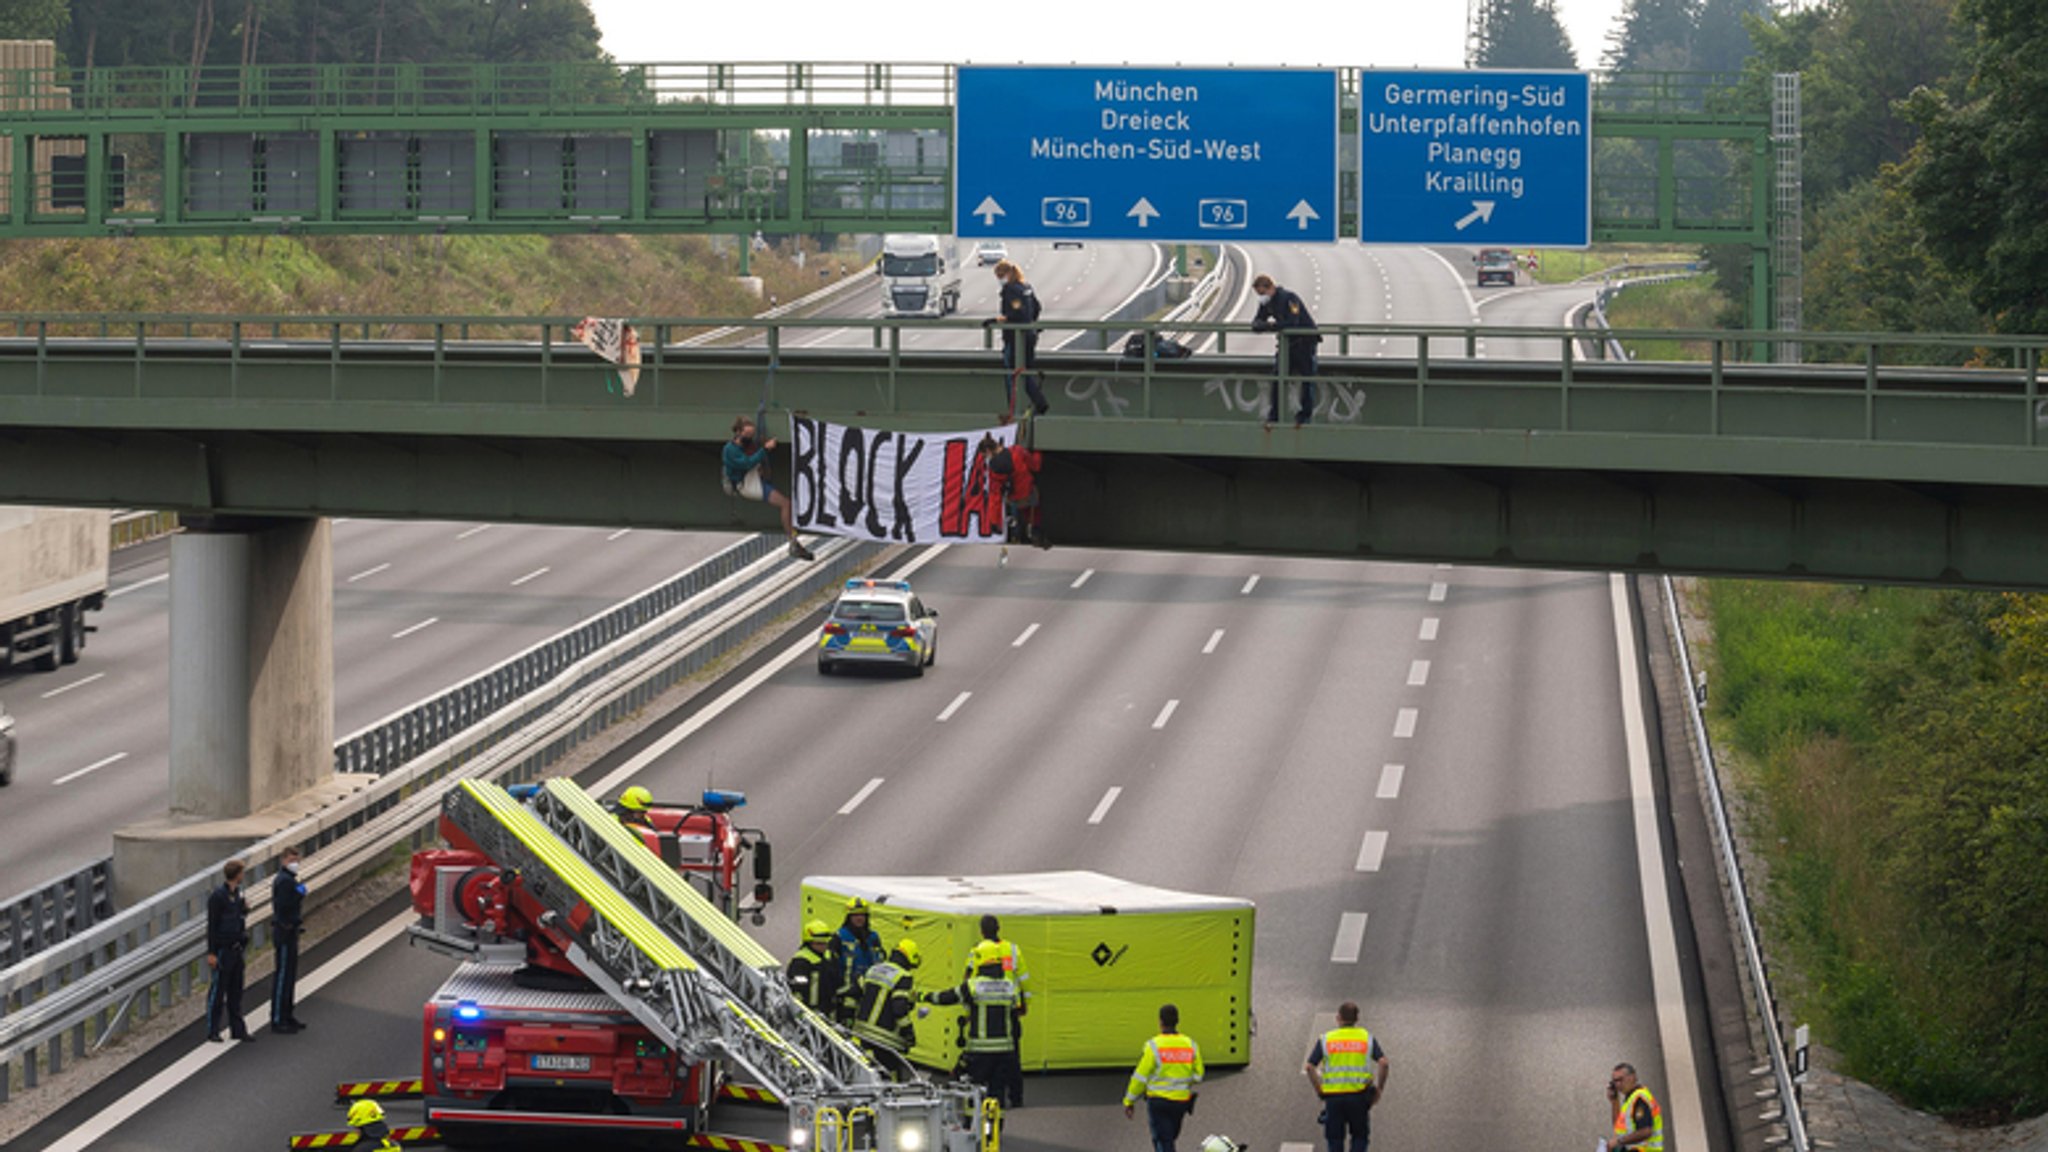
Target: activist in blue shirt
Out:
[745,476]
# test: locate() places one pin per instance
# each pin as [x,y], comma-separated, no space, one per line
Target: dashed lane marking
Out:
[1350,937]
[473,531]
[126,589]
[427,623]
[1249,585]
[1102,809]
[366,573]
[866,791]
[1082,578]
[1404,723]
[95,766]
[1438,591]
[1165,714]
[1418,673]
[55,692]
[1372,851]
[1390,781]
[1028,633]
[958,703]
[619,533]
[1215,638]
[1429,626]
[536,574]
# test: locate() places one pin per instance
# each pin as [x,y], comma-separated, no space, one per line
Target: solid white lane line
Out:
[74,684]
[1249,585]
[473,531]
[127,588]
[1027,634]
[1438,591]
[1165,714]
[1404,723]
[1082,578]
[1429,626]
[1372,851]
[187,1066]
[1390,781]
[427,623]
[866,791]
[95,766]
[1102,809]
[1350,936]
[958,702]
[1418,673]
[536,574]
[619,533]
[1215,638]
[366,573]
[1673,1029]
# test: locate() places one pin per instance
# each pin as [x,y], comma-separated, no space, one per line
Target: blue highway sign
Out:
[1174,154]
[1475,158]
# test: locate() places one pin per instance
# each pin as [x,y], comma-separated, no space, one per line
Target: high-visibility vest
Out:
[1347,1061]
[1169,1069]
[877,995]
[992,1004]
[1000,952]
[1624,1120]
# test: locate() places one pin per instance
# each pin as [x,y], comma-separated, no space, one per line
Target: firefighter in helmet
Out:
[814,971]
[373,1134]
[632,805]
[856,946]
[882,1016]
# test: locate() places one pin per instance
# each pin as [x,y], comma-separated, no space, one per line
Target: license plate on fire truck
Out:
[559,1062]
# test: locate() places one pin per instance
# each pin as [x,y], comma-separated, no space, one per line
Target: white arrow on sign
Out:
[1482,212]
[1144,211]
[988,210]
[1301,214]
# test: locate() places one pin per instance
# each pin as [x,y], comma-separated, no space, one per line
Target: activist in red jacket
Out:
[1015,470]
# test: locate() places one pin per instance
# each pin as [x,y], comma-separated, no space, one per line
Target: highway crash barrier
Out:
[401,1088]
[1102,954]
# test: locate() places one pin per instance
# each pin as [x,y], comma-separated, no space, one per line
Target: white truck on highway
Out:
[920,274]
[53,570]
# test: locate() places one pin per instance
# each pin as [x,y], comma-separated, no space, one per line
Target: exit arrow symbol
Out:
[988,210]
[1482,212]
[1144,211]
[1301,214]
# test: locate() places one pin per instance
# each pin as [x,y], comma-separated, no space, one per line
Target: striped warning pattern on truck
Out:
[378,1089]
[408,1134]
[748,1094]
[730,1143]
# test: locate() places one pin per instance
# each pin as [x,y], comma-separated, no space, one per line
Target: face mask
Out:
[292,867]
[1265,297]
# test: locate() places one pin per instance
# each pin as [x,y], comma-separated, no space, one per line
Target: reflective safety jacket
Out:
[1347,1061]
[853,952]
[1002,951]
[992,1001]
[882,1015]
[1624,1120]
[814,977]
[1169,1069]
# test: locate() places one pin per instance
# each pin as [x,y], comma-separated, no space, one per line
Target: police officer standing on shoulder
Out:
[1017,308]
[227,935]
[373,1134]
[1165,1077]
[1349,1072]
[882,1016]
[992,948]
[993,1005]
[287,920]
[814,972]
[1282,311]
[1638,1121]
[856,946]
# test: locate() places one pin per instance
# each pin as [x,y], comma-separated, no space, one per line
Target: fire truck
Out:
[606,988]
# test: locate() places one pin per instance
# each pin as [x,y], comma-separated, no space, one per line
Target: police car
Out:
[879,622]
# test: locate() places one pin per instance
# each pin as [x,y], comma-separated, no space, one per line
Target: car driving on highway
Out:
[1496,266]
[879,622]
[991,252]
[6,747]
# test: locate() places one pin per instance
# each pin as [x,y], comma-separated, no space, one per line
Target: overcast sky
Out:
[1382,33]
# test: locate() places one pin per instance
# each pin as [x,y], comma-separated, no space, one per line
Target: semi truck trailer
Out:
[53,570]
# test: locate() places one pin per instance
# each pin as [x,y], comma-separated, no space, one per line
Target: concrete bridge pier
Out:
[252,696]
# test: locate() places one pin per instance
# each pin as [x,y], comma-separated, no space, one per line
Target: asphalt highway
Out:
[418,607]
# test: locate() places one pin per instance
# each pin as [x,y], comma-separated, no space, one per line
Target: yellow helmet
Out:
[907,948]
[817,931]
[855,906]
[636,799]
[364,1112]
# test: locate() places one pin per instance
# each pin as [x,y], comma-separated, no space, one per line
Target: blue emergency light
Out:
[467,1011]
[523,792]
[720,800]
[862,584]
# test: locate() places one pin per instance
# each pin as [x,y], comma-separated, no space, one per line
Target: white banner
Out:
[616,341]
[895,487]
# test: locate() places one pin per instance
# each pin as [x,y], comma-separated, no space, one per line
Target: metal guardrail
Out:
[1766,1004]
[73,997]
[129,528]
[55,912]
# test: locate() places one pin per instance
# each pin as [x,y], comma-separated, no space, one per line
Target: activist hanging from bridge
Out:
[894,487]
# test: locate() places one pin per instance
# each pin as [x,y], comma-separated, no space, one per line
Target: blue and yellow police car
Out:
[879,622]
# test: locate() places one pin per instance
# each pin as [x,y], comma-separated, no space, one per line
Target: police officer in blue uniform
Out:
[1283,312]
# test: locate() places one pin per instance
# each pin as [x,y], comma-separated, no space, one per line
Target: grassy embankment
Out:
[1892,745]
